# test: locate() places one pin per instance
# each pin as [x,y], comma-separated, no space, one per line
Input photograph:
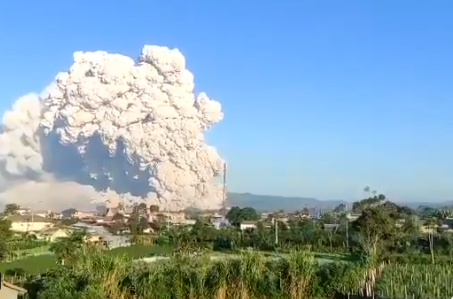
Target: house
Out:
[265,215]
[84,215]
[47,214]
[29,223]
[447,225]
[353,216]
[248,225]
[53,234]
[98,233]
[174,218]
[41,214]
[104,220]
[220,223]
[23,211]
[190,222]
[10,291]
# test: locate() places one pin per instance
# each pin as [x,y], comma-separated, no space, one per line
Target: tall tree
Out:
[11,209]
[5,236]
[341,208]
[236,215]
[374,227]
[68,247]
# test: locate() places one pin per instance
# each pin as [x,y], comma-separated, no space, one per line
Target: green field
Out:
[139,251]
[35,251]
[40,263]
[31,264]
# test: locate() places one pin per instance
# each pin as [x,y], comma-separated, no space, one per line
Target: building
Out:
[248,225]
[23,211]
[190,222]
[175,218]
[10,291]
[97,233]
[48,214]
[53,234]
[353,216]
[220,223]
[84,215]
[29,223]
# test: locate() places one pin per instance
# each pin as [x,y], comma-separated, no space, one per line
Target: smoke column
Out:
[113,130]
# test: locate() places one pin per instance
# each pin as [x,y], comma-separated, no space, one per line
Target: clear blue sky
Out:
[320,97]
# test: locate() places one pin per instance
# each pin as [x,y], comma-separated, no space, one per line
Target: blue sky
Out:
[320,97]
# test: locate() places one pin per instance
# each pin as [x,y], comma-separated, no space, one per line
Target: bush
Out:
[423,259]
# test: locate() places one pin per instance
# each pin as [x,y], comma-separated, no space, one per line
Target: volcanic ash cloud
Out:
[128,131]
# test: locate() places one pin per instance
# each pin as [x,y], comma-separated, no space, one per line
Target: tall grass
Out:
[95,275]
[416,281]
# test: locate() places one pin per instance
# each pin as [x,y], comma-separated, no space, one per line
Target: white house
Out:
[84,215]
[248,225]
[29,223]
[54,233]
[23,211]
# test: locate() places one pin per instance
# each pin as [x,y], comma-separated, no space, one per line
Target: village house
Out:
[173,218]
[54,233]
[104,220]
[220,223]
[84,215]
[29,223]
[352,216]
[48,214]
[23,211]
[10,291]
[190,222]
[41,214]
[98,234]
[248,225]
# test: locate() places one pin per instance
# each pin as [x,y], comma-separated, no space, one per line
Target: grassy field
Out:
[40,263]
[320,257]
[35,251]
[31,264]
[140,251]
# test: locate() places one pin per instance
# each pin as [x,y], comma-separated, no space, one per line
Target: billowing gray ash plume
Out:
[112,129]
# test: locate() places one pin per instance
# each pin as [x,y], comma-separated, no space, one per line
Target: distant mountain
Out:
[272,203]
[437,205]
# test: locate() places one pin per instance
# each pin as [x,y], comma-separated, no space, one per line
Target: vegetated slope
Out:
[272,203]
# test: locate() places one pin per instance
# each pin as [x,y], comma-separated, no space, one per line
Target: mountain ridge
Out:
[292,203]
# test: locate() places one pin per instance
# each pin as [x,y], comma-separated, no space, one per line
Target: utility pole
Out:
[276,230]
[32,219]
[347,227]
[224,195]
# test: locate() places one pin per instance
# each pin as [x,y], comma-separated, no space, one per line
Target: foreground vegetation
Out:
[42,263]
[388,255]
[96,275]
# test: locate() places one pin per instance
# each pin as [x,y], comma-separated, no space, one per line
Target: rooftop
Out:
[11,286]
[28,218]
